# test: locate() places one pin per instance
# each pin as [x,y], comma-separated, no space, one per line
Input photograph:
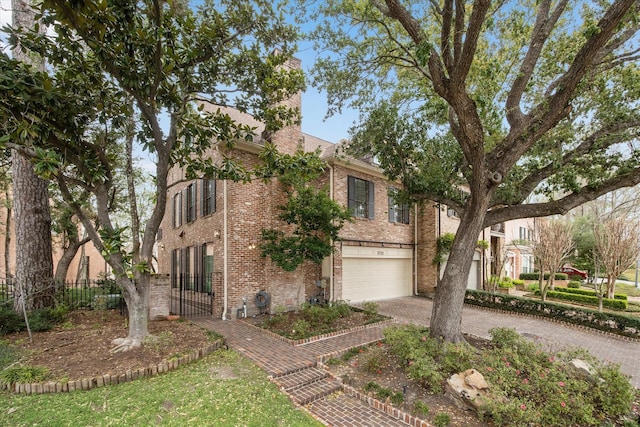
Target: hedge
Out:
[536,276]
[588,292]
[610,322]
[613,304]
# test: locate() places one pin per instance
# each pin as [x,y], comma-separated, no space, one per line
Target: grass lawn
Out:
[222,389]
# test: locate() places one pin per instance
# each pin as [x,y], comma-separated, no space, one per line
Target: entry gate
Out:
[191,296]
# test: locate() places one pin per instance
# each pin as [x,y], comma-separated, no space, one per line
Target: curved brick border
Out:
[129,375]
[319,337]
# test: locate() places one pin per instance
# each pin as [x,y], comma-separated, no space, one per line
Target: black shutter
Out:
[203,194]
[391,207]
[405,213]
[212,196]
[351,190]
[371,205]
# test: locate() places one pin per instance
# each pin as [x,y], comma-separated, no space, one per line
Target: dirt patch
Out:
[80,347]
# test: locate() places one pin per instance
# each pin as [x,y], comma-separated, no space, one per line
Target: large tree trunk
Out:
[34,261]
[7,236]
[136,296]
[446,317]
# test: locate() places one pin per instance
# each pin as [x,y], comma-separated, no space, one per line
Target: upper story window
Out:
[191,202]
[177,209]
[452,213]
[398,211]
[208,205]
[360,197]
[525,233]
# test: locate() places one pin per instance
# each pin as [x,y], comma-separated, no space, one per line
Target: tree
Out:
[617,246]
[499,110]
[34,260]
[147,61]
[551,243]
[314,219]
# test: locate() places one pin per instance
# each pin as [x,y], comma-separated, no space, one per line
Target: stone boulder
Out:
[468,389]
[583,370]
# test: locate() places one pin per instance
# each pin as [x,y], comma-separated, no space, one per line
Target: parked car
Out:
[574,272]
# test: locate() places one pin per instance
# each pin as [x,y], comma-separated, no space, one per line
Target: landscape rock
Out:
[468,389]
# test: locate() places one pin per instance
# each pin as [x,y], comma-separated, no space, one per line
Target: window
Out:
[360,197]
[207,267]
[208,205]
[452,213]
[527,263]
[177,210]
[175,267]
[525,233]
[191,202]
[398,211]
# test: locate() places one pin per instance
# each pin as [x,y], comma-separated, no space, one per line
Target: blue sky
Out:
[314,103]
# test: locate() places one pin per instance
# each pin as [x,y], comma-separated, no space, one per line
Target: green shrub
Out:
[342,307]
[349,354]
[574,284]
[536,276]
[533,287]
[541,390]
[373,363]
[507,284]
[370,308]
[589,292]
[529,276]
[397,398]
[45,319]
[300,329]
[23,374]
[442,419]
[614,304]
[421,408]
[10,321]
[518,282]
[8,355]
[371,386]
[427,360]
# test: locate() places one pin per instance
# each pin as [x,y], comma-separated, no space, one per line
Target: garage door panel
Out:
[370,279]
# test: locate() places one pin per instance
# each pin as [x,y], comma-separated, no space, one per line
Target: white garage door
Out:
[473,281]
[370,274]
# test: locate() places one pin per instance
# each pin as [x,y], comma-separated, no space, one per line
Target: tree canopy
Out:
[128,77]
[498,109]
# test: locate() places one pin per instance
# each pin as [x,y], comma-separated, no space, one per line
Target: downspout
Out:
[225,239]
[415,250]
[331,274]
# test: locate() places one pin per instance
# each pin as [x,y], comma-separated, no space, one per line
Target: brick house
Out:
[211,230]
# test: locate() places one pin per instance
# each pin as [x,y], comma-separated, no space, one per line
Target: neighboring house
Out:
[87,265]
[209,238]
[518,254]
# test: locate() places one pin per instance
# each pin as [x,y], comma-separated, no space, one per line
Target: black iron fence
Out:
[82,295]
[191,295]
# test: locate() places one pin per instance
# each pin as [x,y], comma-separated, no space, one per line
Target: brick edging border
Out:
[96,382]
[302,341]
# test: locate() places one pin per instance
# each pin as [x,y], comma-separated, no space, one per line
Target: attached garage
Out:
[474,281]
[376,273]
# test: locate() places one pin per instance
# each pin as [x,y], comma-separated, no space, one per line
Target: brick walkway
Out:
[293,368]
